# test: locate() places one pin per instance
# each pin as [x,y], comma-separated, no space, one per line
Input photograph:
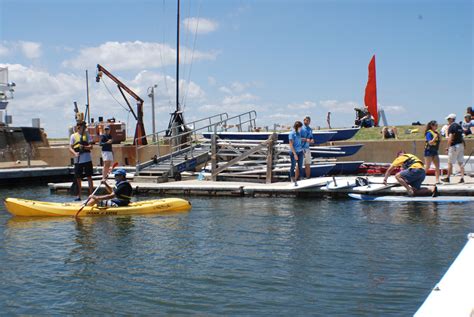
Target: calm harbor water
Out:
[231,256]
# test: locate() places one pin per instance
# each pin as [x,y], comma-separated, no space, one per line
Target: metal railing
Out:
[188,140]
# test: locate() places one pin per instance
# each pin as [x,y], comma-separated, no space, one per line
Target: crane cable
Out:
[108,90]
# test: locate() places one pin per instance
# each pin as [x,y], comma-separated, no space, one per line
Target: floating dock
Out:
[306,188]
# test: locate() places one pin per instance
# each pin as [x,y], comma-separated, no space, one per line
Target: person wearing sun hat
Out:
[455,147]
[118,196]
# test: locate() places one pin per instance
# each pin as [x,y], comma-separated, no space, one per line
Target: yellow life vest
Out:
[435,146]
[78,142]
[410,161]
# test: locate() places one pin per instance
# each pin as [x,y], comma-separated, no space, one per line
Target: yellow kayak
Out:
[31,208]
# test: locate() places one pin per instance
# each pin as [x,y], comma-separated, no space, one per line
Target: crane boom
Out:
[140,136]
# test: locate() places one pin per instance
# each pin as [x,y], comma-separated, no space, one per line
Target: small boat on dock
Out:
[320,137]
[335,151]
[31,208]
[343,134]
[346,168]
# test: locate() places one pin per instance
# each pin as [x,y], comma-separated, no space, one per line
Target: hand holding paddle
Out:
[89,198]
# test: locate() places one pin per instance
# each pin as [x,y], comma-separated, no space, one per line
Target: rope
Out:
[472,152]
[185,45]
[192,55]
[108,90]
[161,58]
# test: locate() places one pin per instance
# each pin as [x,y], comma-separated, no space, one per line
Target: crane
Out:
[140,136]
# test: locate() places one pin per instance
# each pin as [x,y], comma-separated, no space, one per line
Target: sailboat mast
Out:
[177,59]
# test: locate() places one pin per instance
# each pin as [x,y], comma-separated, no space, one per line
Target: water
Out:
[231,256]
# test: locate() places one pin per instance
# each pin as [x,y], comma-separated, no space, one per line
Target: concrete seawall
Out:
[384,151]
[372,151]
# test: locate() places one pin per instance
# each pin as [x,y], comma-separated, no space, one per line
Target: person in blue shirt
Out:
[467,124]
[307,139]
[296,151]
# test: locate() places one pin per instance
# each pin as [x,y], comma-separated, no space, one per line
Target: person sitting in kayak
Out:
[412,175]
[118,196]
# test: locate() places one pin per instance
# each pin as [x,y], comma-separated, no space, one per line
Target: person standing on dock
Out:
[81,146]
[455,147]
[432,141]
[107,154]
[296,152]
[412,175]
[307,139]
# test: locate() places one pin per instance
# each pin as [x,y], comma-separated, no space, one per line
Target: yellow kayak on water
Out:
[31,208]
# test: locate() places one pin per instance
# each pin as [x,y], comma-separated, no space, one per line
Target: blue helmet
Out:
[120,171]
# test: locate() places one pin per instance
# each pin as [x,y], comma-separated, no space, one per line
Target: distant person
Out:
[455,147]
[389,133]
[307,139]
[444,130]
[412,175]
[469,111]
[367,121]
[467,124]
[107,153]
[432,141]
[80,146]
[296,151]
[119,196]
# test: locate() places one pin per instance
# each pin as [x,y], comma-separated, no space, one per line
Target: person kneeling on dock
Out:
[118,196]
[412,175]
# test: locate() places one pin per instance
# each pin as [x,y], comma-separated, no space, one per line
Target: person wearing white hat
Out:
[455,147]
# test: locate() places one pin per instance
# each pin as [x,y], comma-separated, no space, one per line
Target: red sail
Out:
[371,92]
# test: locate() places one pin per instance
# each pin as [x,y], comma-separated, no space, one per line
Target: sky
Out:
[284,59]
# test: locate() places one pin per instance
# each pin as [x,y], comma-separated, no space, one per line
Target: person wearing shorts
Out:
[412,175]
[455,147]
[107,154]
[307,139]
[432,141]
[118,196]
[296,152]
[80,146]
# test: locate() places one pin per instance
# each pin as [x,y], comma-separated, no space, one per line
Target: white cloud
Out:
[31,50]
[3,50]
[302,106]
[393,109]
[237,87]
[200,25]
[134,55]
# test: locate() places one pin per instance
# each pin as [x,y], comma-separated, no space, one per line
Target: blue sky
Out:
[284,59]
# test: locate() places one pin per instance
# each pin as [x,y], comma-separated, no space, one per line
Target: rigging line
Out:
[192,54]
[163,65]
[108,90]
[186,42]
